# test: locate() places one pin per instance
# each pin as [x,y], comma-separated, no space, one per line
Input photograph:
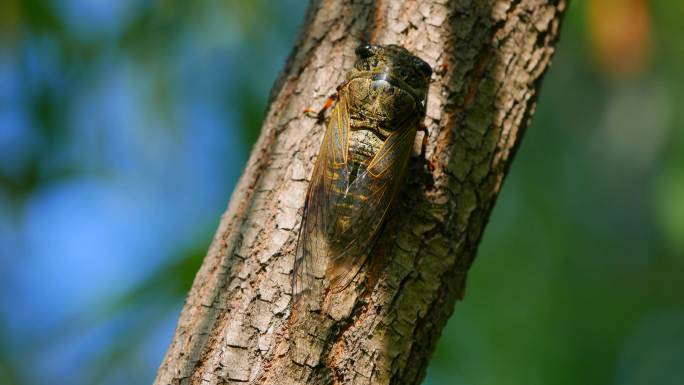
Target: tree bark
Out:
[235,326]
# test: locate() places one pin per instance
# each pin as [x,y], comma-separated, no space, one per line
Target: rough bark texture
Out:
[235,327]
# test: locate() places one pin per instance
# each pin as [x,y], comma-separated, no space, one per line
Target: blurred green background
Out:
[124,125]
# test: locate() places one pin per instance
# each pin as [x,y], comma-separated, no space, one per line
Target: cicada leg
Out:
[423,146]
[320,114]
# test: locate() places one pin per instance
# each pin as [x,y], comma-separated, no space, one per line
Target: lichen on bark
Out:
[235,327]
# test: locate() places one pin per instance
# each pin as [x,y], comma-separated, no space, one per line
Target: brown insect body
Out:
[360,166]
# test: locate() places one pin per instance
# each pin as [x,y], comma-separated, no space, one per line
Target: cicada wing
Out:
[370,196]
[329,176]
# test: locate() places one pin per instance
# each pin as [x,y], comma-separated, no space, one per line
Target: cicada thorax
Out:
[377,100]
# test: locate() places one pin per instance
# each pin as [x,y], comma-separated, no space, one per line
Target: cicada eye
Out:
[424,68]
[364,50]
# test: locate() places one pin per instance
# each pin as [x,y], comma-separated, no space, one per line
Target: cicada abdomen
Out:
[360,167]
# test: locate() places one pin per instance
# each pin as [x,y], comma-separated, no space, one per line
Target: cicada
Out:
[360,167]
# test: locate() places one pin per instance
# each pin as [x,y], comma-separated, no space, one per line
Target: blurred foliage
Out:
[123,128]
[578,277]
[125,124]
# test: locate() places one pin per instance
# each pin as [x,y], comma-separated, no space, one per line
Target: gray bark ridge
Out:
[237,327]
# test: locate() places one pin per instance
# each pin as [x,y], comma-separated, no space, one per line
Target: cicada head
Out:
[388,82]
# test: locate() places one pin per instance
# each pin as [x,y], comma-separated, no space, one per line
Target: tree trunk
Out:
[489,57]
